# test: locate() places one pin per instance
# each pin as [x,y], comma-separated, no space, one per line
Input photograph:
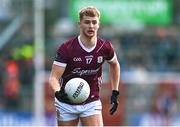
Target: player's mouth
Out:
[90,31]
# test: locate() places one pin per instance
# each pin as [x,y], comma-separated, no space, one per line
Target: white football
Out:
[77,89]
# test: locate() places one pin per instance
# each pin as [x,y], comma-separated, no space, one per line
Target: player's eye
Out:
[86,21]
[94,22]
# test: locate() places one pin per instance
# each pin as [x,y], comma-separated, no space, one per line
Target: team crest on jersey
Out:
[100,59]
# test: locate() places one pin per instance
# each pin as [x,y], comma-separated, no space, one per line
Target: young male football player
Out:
[83,56]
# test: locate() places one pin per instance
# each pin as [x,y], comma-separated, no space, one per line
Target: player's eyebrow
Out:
[90,20]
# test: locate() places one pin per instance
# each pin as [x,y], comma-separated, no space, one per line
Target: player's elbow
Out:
[115,64]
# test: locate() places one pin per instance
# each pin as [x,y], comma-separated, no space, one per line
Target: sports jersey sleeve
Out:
[61,56]
[109,52]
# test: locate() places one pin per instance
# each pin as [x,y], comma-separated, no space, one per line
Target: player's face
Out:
[89,26]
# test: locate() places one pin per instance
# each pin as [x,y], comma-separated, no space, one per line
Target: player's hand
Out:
[61,96]
[114,101]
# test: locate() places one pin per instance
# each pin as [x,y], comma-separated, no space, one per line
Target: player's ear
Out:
[98,25]
[99,22]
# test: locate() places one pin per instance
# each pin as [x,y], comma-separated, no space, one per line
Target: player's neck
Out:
[88,42]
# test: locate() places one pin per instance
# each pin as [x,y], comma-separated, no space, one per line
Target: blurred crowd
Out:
[17,74]
[153,53]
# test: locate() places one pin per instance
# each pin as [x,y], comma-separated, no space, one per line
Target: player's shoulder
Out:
[104,42]
[70,41]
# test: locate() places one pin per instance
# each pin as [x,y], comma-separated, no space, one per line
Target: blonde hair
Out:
[89,11]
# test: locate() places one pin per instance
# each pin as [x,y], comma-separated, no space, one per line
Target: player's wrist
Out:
[115,92]
[56,93]
[57,89]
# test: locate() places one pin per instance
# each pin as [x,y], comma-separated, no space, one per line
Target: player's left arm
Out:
[114,69]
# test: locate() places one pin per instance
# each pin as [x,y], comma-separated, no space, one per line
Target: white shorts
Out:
[66,112]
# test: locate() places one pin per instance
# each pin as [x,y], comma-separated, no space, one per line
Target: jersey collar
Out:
[86,49]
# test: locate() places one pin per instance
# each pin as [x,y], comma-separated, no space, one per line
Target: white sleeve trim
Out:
[112,58]
[59,64]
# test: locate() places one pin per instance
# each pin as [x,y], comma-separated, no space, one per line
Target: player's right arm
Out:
[54,81]
[55,77]
[57,71]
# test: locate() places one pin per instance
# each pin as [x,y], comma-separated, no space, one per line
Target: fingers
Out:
[113,109]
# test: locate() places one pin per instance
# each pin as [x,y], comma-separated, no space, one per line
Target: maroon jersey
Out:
[84,63]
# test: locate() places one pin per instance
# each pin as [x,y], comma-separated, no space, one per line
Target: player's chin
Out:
[90,34]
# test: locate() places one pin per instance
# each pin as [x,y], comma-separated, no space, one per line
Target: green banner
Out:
[148,12]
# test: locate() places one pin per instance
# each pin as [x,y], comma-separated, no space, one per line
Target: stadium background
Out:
[146,37]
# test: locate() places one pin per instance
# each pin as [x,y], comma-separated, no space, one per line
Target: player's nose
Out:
[91,25]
